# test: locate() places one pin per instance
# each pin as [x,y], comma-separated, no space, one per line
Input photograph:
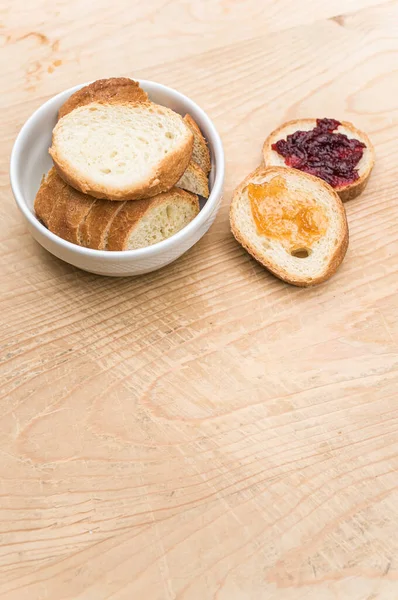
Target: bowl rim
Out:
[154,249]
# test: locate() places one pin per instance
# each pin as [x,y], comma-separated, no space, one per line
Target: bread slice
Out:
[364,167]
[200,154]
[106,225]
[44,204]
[61,208]
[95,228]
[294,207]
[121,151]
[194,180]
[114,89]
[146,222]
[122,89]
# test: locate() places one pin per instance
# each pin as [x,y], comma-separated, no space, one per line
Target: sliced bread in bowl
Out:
[149,221]
[94,230]
[106,225]
[122,89]
[200,153]
[44,204]
[194,180]
[61,208]
[292,223]
[336,151]
[121,151]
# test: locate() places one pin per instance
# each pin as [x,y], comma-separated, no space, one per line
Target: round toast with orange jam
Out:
[294,224]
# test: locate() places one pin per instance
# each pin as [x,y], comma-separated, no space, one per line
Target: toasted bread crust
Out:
[69,207]
[347,192]
[114,89]
[200,154]
[168,172]
[95,227]
[43,204]
[335,260]
[97,224]
[132,212]
[194,180]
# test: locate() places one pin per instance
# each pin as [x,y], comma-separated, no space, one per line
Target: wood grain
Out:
[205,431]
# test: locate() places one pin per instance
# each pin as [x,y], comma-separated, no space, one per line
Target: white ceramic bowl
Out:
[30,160]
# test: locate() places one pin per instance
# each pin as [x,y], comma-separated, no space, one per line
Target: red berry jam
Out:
[331,156]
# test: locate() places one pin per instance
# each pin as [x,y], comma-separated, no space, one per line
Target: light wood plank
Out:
[204,432]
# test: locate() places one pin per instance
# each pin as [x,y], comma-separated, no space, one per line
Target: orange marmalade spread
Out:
[291,217]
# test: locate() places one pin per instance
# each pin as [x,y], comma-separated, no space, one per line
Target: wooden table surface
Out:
[205,432]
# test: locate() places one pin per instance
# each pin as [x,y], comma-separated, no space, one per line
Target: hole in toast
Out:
[169,135]
[301,252]
[106,171]
[113,154]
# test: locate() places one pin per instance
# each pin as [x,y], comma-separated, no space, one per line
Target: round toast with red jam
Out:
[334,151]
